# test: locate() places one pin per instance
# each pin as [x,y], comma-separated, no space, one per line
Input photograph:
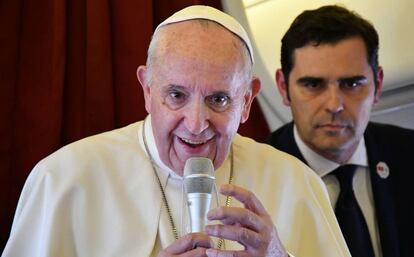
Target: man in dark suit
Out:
[330,78]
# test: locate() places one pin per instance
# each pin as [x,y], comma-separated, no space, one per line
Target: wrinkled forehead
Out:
[196,42]
[198,36]
[201,12]
[188,51]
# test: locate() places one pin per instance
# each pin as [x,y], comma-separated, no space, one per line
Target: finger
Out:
[221,253]
[233,215]
[249,199]
[198,252]
[248,238]
[189,242]
[231,223]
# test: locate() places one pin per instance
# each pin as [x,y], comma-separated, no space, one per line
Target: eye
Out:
[311,84]
[218,102]
[175,98]
[351,84]
[176,95]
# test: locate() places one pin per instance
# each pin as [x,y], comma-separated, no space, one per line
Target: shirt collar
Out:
[323,166]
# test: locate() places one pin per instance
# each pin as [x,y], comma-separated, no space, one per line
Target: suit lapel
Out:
[384,204]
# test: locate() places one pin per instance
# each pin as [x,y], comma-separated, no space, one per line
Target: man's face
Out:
[332,91]
[198,95]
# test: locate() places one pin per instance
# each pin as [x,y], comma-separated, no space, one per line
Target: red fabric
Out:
[67,71]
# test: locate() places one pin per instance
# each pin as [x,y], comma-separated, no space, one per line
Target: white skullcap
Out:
[212,14]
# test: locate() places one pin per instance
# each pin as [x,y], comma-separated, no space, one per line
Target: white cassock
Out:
[99,197]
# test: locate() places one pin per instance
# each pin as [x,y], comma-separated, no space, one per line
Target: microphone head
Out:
[198,165]
[199,175]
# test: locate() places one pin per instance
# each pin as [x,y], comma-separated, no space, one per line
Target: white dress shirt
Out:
[361,183]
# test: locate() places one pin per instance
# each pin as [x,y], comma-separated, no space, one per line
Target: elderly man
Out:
[119,193]
[330,78]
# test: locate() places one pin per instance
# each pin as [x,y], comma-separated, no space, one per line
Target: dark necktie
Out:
[349,215]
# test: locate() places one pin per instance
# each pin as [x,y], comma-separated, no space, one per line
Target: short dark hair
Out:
[328,24]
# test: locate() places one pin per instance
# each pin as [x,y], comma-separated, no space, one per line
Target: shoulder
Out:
[92,165]
[389,135]
[381,128]
[113,140]
[276,137]
[250,146]
[265,158]
[92,156]
[392,145]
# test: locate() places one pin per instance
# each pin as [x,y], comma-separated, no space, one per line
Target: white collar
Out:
[152,147]
[323,166]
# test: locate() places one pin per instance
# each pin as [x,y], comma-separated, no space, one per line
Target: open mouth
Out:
[193,143]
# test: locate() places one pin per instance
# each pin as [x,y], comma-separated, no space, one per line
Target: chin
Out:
[337,147]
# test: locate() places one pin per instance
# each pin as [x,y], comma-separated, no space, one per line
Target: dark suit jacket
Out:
[394,195]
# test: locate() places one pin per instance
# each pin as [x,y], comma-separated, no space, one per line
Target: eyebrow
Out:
[183,88]
[359,78]
[174,86]
[307,79]
[220,92]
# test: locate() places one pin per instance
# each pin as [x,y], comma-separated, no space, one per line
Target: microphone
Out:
[198,186]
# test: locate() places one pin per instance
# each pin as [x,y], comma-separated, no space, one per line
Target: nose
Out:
[334,99]
[197,117]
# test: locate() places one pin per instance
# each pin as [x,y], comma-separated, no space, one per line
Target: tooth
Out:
[193,142]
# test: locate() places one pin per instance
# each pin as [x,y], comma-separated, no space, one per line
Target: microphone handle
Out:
[198,206]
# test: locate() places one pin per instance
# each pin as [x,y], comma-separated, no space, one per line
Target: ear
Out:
[142,78]
[282,86]
[248,98]
[380,79]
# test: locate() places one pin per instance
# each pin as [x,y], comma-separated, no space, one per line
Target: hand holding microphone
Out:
[197,196]
[251,226]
